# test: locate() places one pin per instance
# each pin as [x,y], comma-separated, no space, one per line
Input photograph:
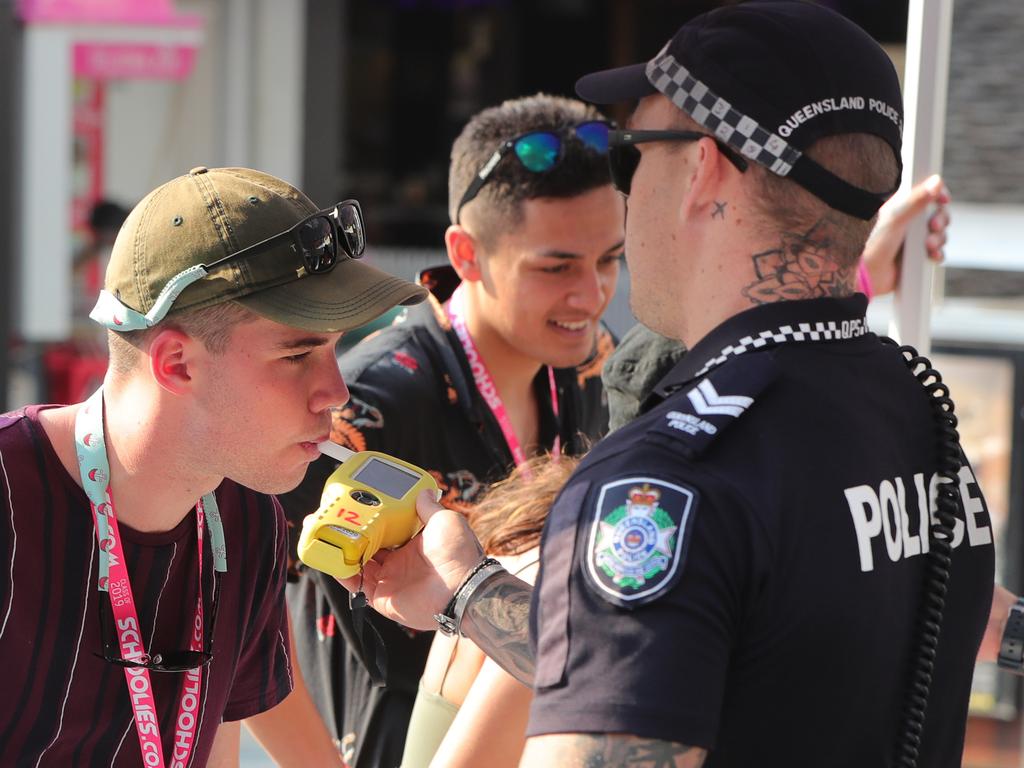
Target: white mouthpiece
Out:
[335,451]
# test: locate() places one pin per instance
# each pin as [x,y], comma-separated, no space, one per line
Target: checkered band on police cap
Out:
[719,116]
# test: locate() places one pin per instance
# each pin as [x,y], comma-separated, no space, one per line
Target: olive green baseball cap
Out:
[174,253]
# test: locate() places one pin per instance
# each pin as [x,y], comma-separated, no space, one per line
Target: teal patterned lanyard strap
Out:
[95,474]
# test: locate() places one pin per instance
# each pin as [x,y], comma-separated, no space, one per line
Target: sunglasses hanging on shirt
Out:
[167,661]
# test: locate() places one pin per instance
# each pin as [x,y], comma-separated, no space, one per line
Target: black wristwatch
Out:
[1011,649]
[449,621]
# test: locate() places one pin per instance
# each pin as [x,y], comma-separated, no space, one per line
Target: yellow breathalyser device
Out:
[368,503]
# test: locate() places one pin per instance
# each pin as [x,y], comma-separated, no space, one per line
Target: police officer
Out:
[734,578]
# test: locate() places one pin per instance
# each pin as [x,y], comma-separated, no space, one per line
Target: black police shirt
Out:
[741,567]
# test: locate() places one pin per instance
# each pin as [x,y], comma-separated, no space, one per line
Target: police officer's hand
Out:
[412,583]
[1002,600]
[883,253]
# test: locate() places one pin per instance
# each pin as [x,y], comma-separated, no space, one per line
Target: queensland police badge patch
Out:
[639,532]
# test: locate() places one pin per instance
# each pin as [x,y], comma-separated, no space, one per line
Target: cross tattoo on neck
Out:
[719,212]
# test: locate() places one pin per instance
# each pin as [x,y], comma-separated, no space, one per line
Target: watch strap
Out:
[449,621]
[1011,648]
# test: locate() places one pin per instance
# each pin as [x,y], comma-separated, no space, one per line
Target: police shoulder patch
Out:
[639,533]
[698,412]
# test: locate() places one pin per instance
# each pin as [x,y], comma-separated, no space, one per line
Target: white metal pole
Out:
[237,83]
[43,298]
[278,88]
[929,27]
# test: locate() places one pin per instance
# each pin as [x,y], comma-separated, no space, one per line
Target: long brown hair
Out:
[510,517]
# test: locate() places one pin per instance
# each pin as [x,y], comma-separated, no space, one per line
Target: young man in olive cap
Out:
[736,577]
[142,609]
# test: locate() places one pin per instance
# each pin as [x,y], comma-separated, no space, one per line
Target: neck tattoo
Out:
[803,267]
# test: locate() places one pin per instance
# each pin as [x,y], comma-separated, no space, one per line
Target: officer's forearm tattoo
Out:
[497,620]
[805,266]
[606,750]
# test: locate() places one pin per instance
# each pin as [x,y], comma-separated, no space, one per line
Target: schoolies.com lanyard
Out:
[485,384]
[113,580]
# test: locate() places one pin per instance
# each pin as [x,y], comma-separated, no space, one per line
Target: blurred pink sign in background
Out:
[119,61]
[153,12]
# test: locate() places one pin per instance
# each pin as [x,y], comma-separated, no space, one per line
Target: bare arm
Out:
[225,750]
[490,728]
[497,620]
[604,750]
[1002,600]
[412,583]
[883,252]
[292,732]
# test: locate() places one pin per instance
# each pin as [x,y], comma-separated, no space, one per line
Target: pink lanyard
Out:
[488,389]
[864,280]
[113,579]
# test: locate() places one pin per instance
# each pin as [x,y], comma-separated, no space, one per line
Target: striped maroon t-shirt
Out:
[64,706]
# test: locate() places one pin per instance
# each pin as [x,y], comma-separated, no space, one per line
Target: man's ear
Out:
[172,357]
[709,176]
[463,253]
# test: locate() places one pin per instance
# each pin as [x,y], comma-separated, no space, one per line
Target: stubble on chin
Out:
[272,484]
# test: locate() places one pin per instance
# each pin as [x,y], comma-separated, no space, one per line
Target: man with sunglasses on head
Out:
[502,363]
[736,577]
[142,611]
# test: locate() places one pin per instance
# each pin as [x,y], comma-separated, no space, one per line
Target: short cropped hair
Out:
[499,203]
[213,326]
[862,159]
[782,205]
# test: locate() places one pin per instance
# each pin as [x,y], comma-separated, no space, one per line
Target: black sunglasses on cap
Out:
[624,157]
[317,238]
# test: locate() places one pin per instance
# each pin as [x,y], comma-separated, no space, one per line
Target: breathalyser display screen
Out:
[387,478]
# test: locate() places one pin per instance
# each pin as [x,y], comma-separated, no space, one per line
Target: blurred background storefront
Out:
[105,100]
[102,100]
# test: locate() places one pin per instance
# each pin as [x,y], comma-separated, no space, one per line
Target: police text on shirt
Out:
[883,512]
